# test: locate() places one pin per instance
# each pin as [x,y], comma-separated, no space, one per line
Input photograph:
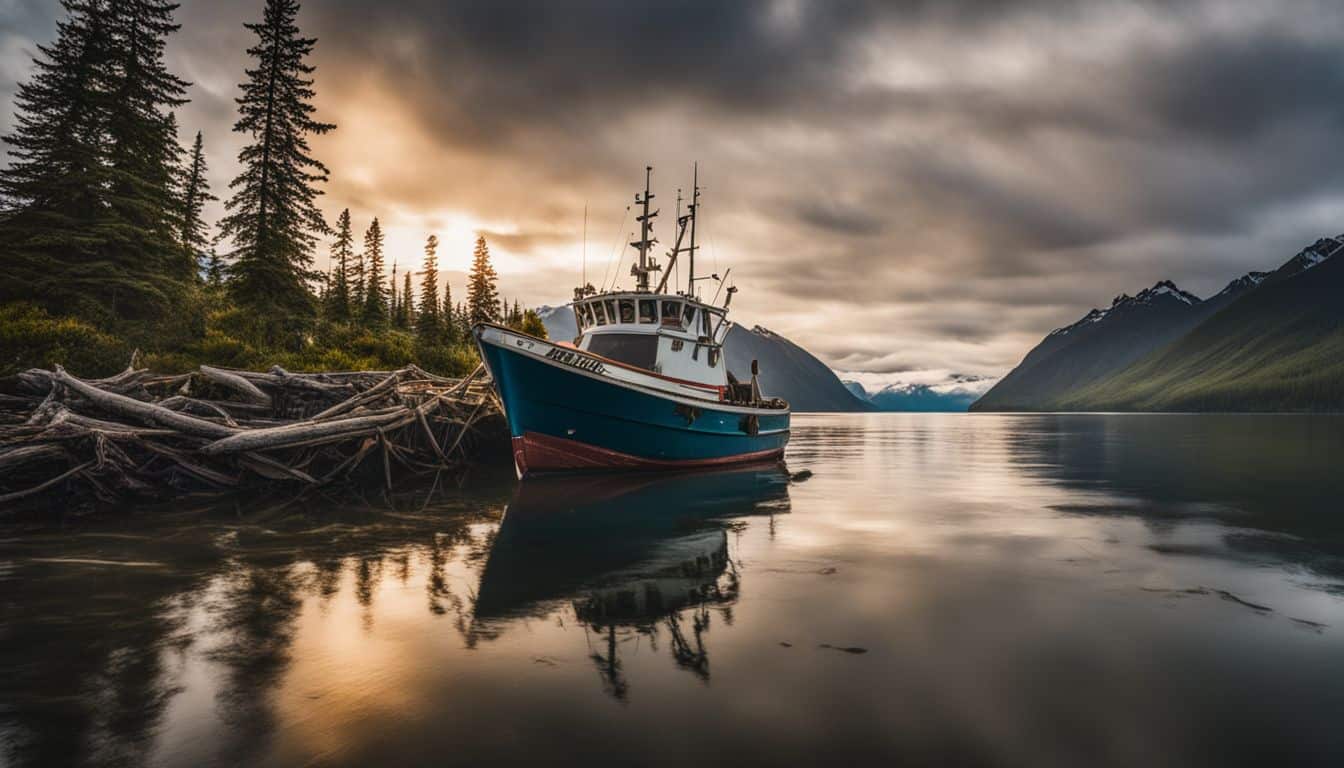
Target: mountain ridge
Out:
[1104,360]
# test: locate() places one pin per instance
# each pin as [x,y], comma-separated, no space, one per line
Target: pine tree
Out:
[342,251]
[393,300]
[357,285]
[88,190]
[446,316]
[530,322]
[427,323]
[214,270]
[375,296]
[482,293]
[407,305]
[144,158]
[273,218]
[195,194]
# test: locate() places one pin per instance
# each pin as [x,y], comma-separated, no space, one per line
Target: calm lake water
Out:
[1006,590]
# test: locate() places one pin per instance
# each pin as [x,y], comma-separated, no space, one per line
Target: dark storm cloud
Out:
[897,184]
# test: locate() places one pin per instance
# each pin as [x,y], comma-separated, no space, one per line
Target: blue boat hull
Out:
[565,419]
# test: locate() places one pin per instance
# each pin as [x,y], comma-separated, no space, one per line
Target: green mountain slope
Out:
[1098,346]
[1279,347]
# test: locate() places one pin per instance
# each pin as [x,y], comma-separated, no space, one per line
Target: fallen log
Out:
[236,383]
[138,434]
[279,437]
[123,406]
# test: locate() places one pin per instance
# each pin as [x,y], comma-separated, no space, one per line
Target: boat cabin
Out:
[668,334]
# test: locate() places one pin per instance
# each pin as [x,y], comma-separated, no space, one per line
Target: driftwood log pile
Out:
[142,435]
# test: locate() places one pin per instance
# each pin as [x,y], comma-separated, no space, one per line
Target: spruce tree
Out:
[342,258]
[427,323]
[375,296]
[273,219]
[530,322]
[53,186]
[144,159]
[404,318]
[446,317]
[393,300]
[195,194]
[482,293]
[88,210]
[357,284]
[214,270]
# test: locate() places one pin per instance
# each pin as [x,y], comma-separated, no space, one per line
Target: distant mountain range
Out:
[915,397]
[1269,341]
[787,370]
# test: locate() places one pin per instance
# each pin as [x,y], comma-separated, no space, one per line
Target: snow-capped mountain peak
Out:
[1314,254]
[1166,288]
[1245,282]
[1162,290]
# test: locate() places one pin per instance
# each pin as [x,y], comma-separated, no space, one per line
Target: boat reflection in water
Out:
[633,555]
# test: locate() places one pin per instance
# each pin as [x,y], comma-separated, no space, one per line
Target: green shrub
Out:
[32,338]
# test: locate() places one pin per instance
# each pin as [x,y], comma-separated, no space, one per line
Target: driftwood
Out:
[137,434]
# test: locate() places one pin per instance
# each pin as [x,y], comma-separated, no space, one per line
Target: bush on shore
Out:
[30,337]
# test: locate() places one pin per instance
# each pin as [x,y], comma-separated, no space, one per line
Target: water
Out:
[1007,590]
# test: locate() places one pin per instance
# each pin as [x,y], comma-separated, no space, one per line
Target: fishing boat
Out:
[645,385]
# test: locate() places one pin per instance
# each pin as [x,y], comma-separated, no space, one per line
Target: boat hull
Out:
[566,414]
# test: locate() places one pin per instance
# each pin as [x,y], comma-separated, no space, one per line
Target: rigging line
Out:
[614,250]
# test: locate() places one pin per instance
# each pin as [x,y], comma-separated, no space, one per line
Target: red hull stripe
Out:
[534,452]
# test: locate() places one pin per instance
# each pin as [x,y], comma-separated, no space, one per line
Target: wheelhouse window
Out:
[672,313]
[648,311]
[704,323]
[637,349]
[627,311]
[611,310]
[600,313]
[688,317]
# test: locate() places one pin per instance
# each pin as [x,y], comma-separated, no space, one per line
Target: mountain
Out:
[559,322]
[1280,347]
[1264,341]
[912,398]
[920,397]
[787,370]
[855,388]
[1102,343]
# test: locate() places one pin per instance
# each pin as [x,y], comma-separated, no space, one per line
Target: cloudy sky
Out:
[914,190]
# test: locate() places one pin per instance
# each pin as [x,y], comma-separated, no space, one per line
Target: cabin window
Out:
[713,356]
[627,311]
[704,323]
[587,315]
[672,313]
[677,345]
[688,317]
[581,315]
[601,314]
[648,311]
[637,349]
[611,310]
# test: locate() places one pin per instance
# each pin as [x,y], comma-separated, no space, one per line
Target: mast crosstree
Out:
[646,240]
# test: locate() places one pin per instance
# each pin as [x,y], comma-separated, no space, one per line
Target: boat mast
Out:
[646,265]
[694,208]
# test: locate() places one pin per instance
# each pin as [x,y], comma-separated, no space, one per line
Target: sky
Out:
[914,191]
